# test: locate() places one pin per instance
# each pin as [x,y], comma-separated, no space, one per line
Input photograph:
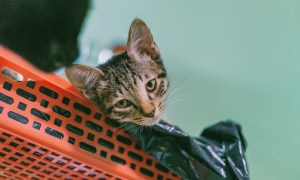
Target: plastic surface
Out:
[49,131]
[219,153]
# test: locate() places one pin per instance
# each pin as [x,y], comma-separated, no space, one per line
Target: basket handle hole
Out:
[12,74]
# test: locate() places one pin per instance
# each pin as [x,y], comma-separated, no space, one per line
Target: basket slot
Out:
[12,74]
[6,99]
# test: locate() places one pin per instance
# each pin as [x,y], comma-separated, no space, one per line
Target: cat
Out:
[130,87]
[44,32]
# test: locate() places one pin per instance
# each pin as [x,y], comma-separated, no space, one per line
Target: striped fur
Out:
[125,76]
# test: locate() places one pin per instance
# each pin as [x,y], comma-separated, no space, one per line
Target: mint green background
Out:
[237,59]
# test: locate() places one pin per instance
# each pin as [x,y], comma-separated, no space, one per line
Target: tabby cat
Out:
[131,86]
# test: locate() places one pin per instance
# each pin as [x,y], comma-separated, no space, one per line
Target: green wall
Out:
[237,59]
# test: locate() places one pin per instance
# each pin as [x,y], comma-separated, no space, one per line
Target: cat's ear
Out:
[141,42]
[84,78]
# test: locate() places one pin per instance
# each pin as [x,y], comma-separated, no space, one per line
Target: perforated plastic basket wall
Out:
[48,131]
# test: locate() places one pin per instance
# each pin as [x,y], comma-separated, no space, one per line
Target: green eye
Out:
[151,85]
[123,103]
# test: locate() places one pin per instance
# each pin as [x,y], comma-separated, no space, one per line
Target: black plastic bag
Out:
[219,153]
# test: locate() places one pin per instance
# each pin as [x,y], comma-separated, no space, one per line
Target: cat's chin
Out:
[145,122]
[152,121]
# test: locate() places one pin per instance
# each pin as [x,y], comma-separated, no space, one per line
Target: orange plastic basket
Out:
[48,131]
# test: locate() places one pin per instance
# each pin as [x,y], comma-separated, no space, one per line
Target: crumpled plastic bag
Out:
[219,153]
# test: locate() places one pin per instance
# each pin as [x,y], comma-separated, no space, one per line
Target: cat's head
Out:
[130,87]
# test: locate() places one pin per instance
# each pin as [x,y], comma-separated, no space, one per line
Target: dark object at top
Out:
[219,153]
[42,31]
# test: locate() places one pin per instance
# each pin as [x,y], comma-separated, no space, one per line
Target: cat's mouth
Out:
[151,121]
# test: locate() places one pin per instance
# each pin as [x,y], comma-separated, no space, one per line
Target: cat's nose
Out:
[151,114]
[147,109]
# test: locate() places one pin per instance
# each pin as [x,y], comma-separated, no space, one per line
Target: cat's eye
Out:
[151,85]
[123,103]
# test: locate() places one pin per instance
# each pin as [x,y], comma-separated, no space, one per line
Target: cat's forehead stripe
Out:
[162,75]
[134,81]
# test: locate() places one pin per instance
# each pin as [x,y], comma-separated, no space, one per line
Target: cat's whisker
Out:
[120,127]
[173,93]
[176,97]
[176,88]
[175,100]
[141,130]
[123,129]
[130,127]
[125,123]
[174,103]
